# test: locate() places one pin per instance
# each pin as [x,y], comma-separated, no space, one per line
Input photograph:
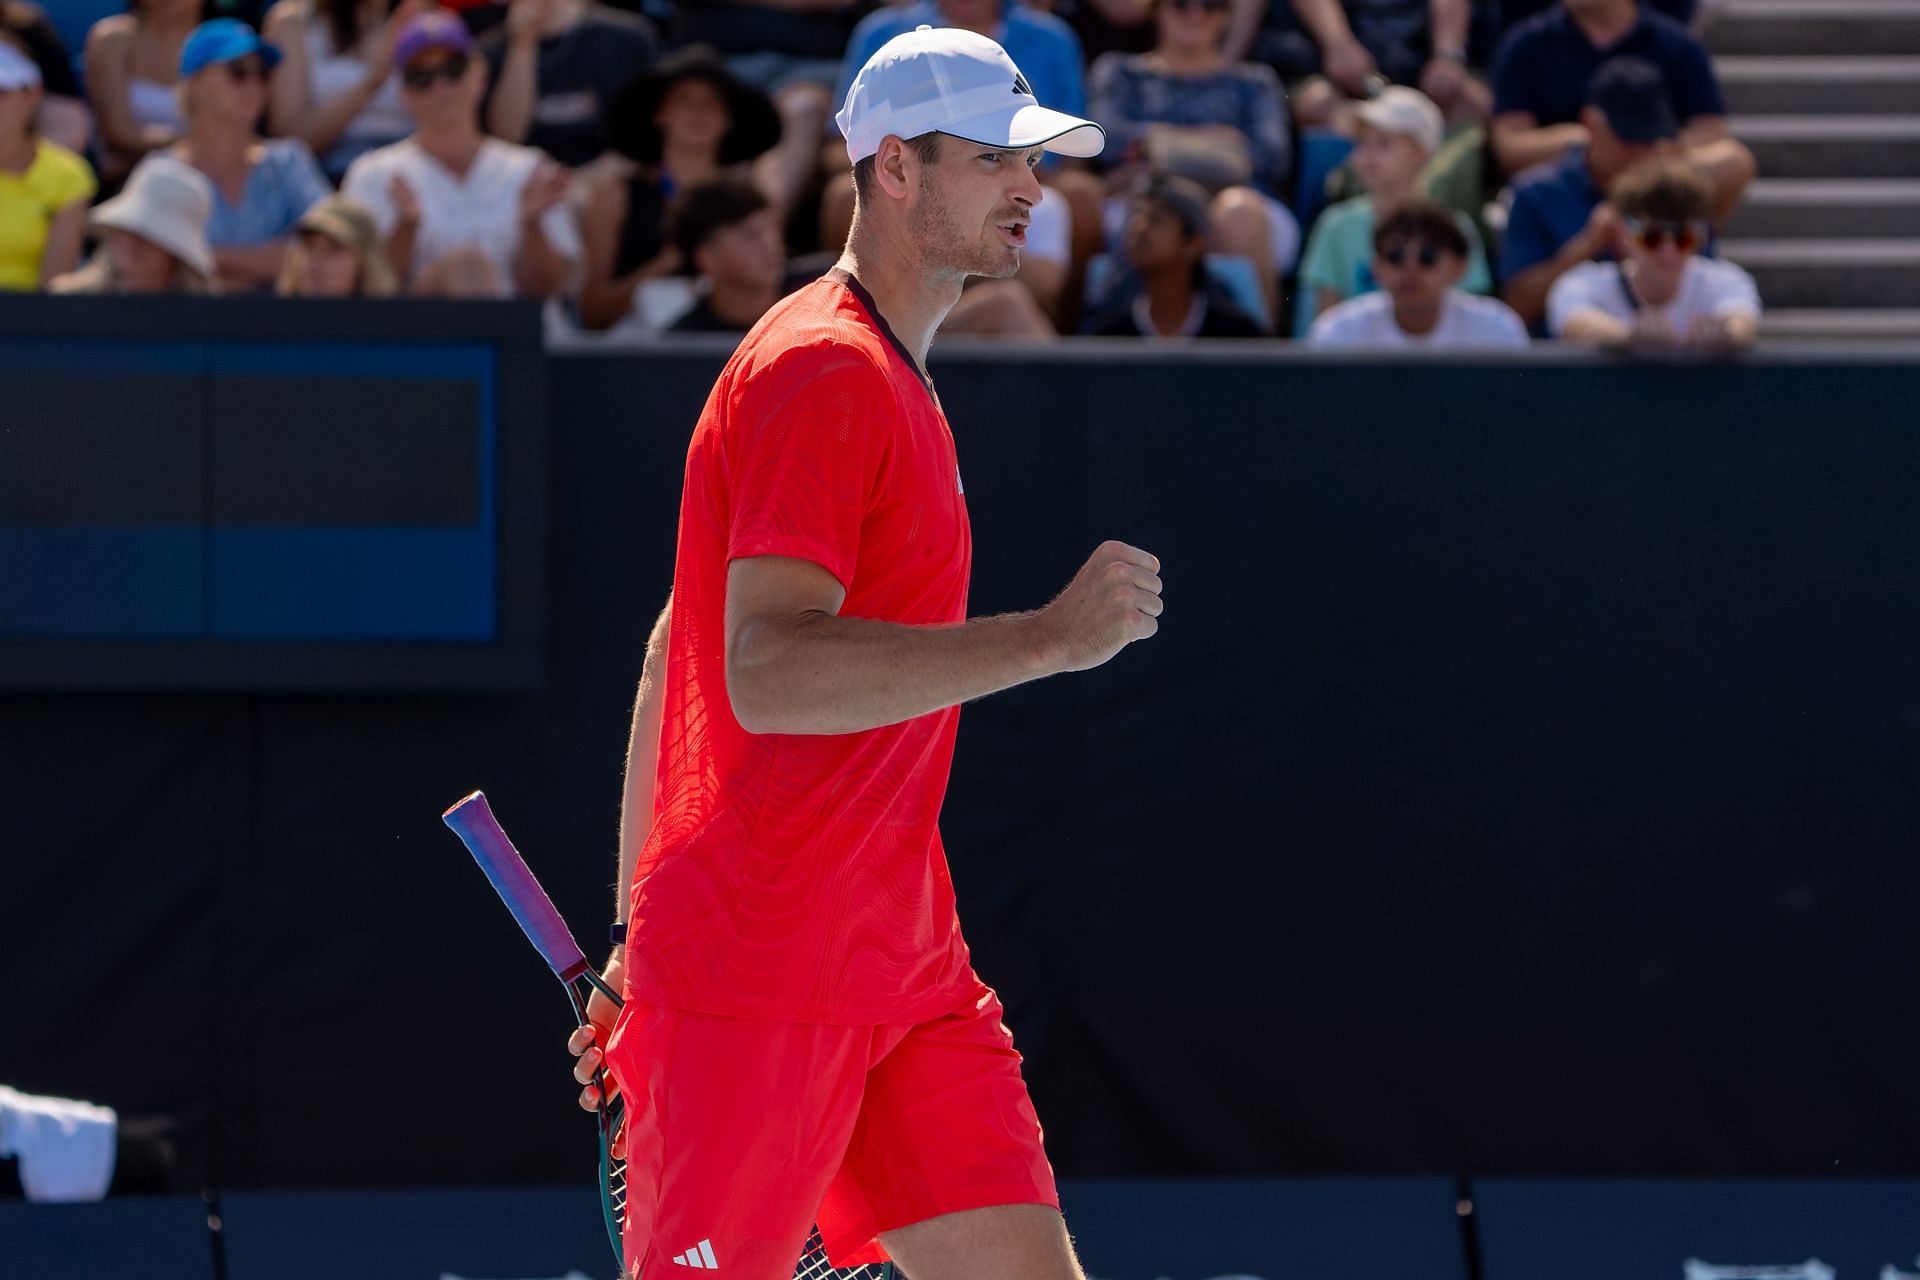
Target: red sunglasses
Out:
[1684,236]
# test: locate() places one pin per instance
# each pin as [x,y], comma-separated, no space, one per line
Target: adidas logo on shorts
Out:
[700,1257]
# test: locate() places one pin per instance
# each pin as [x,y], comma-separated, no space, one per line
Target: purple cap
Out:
[434,29]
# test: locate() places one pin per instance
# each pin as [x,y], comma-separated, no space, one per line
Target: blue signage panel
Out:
[1266,1228]
[1724,1229]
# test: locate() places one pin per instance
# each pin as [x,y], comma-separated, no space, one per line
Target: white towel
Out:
[65,1147]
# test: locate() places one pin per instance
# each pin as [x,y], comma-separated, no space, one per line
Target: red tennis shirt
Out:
[801,878]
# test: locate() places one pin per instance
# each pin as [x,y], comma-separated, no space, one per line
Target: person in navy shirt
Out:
[1514,12]
[1560,217]
[1545,63]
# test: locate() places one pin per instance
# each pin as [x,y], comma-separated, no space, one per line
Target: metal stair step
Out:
[1807,27]
[1859,273]
[1820,208]
[1820,84]
[1832,146]
[1849,323]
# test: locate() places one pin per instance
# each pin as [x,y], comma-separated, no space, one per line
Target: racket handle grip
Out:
[472,820]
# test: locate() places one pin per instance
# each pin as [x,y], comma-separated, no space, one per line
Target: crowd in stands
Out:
[1412,174]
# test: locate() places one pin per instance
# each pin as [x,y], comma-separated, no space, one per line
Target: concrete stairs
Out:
[1827,93]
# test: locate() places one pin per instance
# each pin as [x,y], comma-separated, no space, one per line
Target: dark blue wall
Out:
[1523,781]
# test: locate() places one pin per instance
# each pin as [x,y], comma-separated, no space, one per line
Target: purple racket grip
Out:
[473,821]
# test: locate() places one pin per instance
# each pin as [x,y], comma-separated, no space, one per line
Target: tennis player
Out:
[804,1037]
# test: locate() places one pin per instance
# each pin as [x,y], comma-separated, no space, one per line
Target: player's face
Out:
[971,213]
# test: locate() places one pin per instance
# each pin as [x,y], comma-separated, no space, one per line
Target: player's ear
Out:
[893,167]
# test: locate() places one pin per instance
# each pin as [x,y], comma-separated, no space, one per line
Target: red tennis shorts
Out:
[742,1133]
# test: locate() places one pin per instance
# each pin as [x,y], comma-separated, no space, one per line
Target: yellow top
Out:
[56,178]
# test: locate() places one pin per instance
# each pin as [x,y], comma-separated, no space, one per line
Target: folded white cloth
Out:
[65,1147]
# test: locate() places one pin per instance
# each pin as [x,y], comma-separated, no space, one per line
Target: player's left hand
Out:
[588,1046]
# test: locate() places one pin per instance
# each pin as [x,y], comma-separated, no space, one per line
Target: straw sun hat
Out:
[168,203]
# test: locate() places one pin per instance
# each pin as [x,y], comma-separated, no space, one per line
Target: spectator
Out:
[1661,293]
[687,122]
[1397,133]
[558,66]
[462,214]
[132,62]
[1559,216]
[791,51]
[64,117]
[338,91]
[1419,255]
[1409,42]
[1185,109]
[44,188]
[1166,245]
[1108,26]
[1544,65]
[260,188]
[336,253]
[726,232]
[153,235]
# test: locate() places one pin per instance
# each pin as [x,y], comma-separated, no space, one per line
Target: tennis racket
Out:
[472,820]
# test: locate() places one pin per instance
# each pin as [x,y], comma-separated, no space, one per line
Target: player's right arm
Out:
[794,665]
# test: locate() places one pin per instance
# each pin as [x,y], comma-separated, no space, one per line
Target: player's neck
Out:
[912,297]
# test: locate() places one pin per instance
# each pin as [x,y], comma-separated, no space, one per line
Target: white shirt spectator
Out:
[1367,323]
[1708,287]
[481,210]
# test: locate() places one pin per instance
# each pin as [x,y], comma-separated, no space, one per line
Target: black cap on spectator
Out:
[1632,94]
[1184,198]
[756,121]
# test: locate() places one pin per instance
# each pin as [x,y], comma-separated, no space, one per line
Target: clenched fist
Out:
[1113,601]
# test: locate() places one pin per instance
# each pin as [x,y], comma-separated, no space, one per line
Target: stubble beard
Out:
[952,249]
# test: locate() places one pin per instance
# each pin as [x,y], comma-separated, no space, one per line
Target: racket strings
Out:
[814,1265]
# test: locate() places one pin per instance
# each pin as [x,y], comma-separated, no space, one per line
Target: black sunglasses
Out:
[1209,6]
[1398,255]
[244,69]
[449,69]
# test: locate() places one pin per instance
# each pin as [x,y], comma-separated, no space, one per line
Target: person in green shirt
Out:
[1399,132]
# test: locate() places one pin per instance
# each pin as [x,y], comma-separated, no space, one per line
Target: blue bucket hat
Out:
[223,40]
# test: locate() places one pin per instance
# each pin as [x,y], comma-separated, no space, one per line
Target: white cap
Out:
[953,81]
[17,70]
[168,202]
[1407,112]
